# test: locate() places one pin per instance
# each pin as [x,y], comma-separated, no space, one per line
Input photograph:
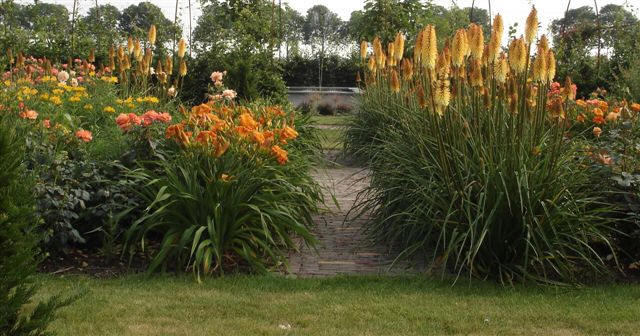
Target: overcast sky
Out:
[512,10]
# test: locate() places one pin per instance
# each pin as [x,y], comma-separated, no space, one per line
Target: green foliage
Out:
[581,36]
[253,75]
[303,71]
[385,18]
[76,194]
[19,239]
[482,191]
[219,213]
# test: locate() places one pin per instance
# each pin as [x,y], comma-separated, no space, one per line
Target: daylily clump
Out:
[217,126]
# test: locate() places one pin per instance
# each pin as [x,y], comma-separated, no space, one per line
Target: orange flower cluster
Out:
[84,135]
[599,111]
[126,121]
[217,126]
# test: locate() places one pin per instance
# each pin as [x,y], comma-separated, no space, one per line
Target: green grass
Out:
[335,120]
[258,305]
[331,138]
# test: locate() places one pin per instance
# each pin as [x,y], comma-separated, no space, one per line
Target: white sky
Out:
[512,11]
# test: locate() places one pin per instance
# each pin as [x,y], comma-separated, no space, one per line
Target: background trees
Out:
[596,49]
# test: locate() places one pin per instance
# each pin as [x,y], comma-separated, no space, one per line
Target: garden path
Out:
[342,247]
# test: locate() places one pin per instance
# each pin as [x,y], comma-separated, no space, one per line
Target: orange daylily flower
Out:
[280,154]
[84,135]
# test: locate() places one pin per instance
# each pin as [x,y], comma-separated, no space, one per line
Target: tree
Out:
[240,36]
[137,19]
[324,31]
[293,30]
[102,25]
[385,18]
[593,48]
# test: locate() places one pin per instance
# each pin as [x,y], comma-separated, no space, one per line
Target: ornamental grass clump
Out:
[469,160]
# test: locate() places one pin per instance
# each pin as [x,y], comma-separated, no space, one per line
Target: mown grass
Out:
[267,305]
[334,120]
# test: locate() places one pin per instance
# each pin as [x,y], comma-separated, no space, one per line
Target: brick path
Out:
[342,248]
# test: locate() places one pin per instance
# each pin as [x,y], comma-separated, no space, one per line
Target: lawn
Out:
[269,305]
[331,130]
[333,120]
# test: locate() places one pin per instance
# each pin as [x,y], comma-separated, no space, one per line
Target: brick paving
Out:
[342,248]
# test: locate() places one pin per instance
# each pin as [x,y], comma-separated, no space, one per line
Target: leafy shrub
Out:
[343,109]
[482,180]
[19,239]
[325,109]
[231,195]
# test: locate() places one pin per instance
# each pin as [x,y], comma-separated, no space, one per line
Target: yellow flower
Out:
[109,109]
[55,100]
[7,82]
[131,105]
[57,92]
[151,99]
[74,99]
[88,107]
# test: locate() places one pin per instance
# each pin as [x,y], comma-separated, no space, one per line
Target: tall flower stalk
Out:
[469,160]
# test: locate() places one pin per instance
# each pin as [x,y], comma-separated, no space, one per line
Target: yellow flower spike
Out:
[459,48]
[391,51]
[443,68]
[476,41]
[501,69]
[551,66]
[152,34]
[570,94]
[182,48]
[429,52]
[417,49]
[517,56]
[92,56]
[442,93]
[364,46]
[407,69]
[372,64]
[543,44]
[476,74]
[395,83]
[168,65]
[377,51]
[137,50]
[540,68]
[183,68]
[129,45]
[531,26]
[399,47]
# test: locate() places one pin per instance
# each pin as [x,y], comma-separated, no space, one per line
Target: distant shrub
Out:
[325,109]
